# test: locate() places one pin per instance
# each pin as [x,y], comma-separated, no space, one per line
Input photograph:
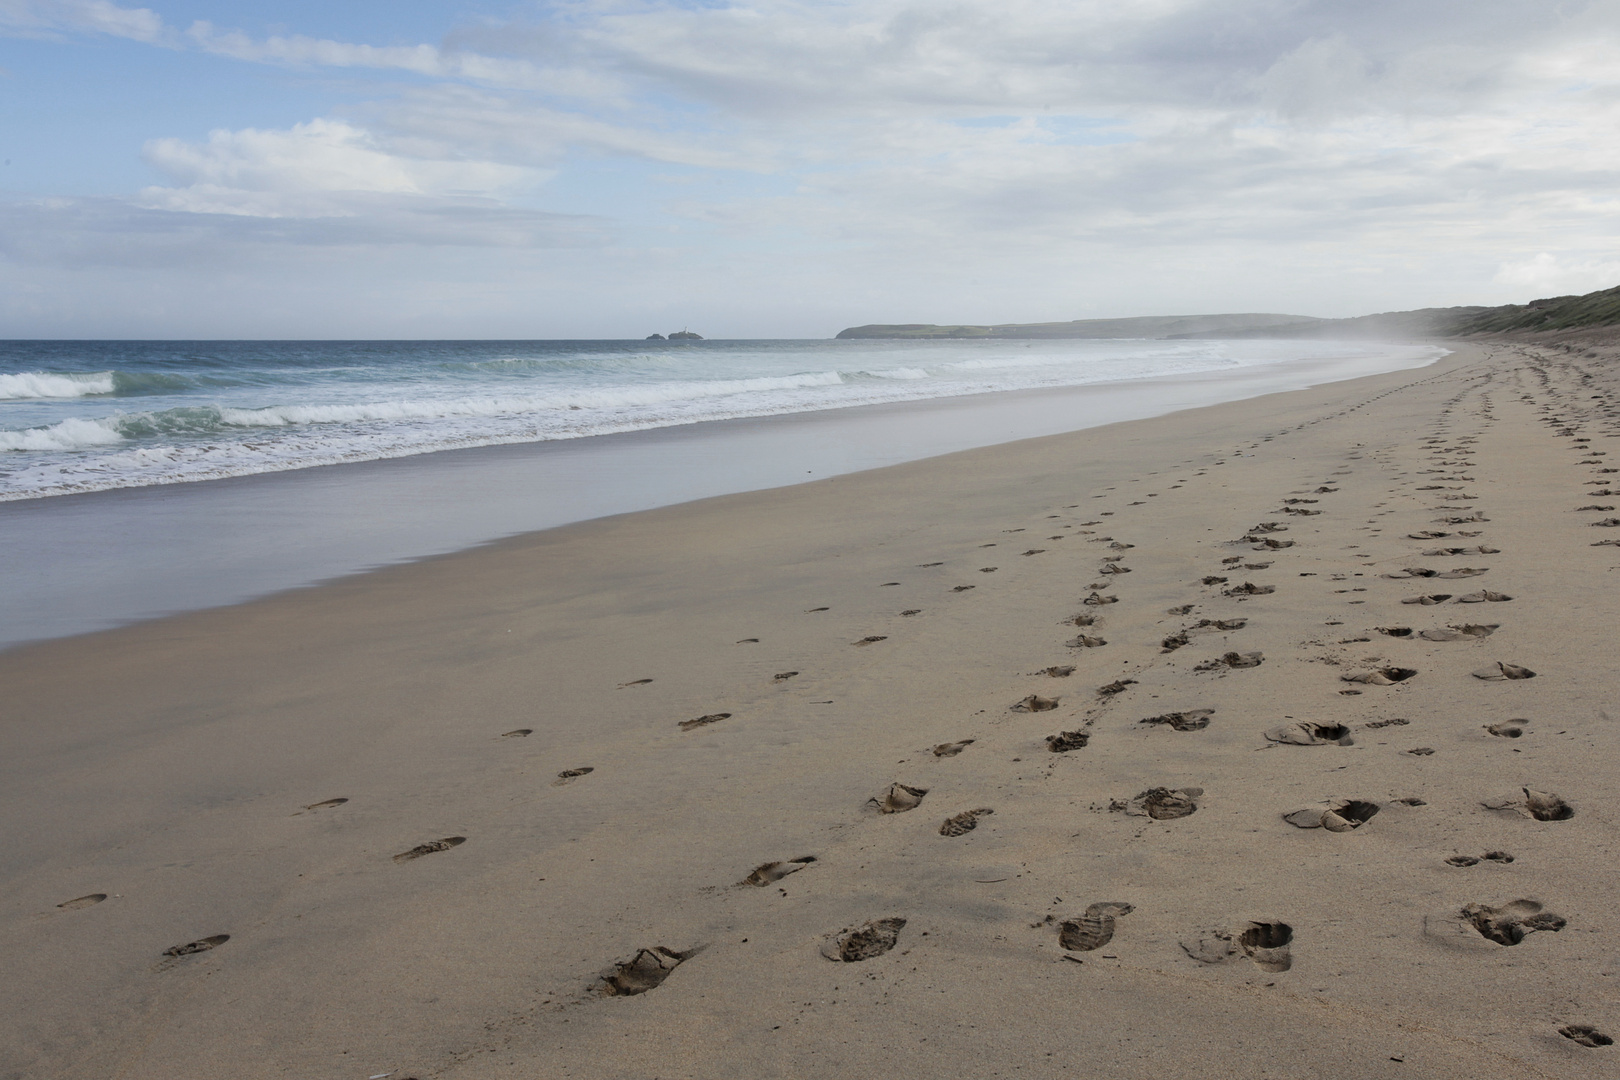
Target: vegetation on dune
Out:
[1596,309]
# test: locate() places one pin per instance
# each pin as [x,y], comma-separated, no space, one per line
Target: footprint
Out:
[1427,534]
[1116,687]
[1035,551]
[988,569]
[771,872]
[1079,620]
[1489,856]
[1064,741]
[1175,641]
[1165,804]
[1232,660]
[1214,947]
[748,641]
[926,565]
[1310,733]
[871,640]
[864,942]
[1270,543]
[430,847]
[1507,729]
[200,945]
[963,588]
[1392,722]
[1085,641]
[1420,751]
[634,682]
[811,611]
[330,802]
[1094,929]
[963,823]
[570,774]
[1191,720]
[911,611]
[1215,579]
[1114,568]
[1395,631]
[1336,815]
[1461,633]
[1380,676]
[951,749]
[644,971]
[783,676]
[1541,805]
[1184,609]
[702,721]
[1060,672]
[1433,598]
[1266,943]
[898,799]
[515,733]
[1585,1035]
[1484,597]
[1097,599]
[1545,806]
[1036,703]
[1465,572]
[1499,671]
[1512,922]
[1248,588]
[82,901]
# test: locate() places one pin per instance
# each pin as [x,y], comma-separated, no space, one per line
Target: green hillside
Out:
[1556,313]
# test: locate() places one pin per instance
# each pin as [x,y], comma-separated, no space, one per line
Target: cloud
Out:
[1546,274]
[294,172]
[37,17]
[423,59]
[1038,155]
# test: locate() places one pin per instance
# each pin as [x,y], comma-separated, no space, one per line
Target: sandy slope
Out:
[167,766]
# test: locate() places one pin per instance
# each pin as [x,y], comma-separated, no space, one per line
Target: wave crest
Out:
[30,385]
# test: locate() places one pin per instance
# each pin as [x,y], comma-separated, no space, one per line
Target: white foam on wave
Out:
[74,433]
[607,397]
[899,373]
[200,442]
[29,385]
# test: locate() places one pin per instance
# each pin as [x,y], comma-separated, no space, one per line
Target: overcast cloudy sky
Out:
[772,168]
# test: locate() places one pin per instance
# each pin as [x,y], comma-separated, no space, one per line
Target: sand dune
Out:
[1268,739]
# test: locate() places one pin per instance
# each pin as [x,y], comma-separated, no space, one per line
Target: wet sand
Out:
[1301,871]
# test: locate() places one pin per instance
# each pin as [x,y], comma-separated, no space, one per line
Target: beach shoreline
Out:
[93,560]
[598,730]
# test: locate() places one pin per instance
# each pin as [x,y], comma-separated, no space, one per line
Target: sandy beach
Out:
[1268,739]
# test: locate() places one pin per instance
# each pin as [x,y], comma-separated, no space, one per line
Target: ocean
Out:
[82,416]
[139,479]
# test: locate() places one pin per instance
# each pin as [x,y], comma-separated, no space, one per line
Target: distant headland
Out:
[679,335]
[1558,313]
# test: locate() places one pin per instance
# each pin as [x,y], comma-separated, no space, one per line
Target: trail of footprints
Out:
[1266,943]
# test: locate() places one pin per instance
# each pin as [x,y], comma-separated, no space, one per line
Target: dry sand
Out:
[183,768]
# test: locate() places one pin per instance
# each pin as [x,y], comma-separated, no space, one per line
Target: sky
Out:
[781,168]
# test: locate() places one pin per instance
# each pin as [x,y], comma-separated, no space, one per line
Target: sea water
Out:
[316,460]
[80,416]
